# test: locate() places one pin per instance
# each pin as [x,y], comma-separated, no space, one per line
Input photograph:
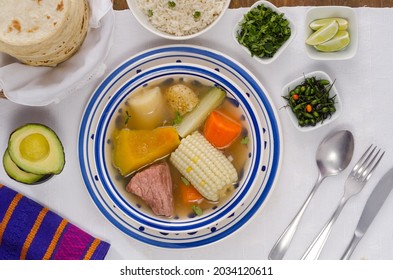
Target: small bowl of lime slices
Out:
[331,33]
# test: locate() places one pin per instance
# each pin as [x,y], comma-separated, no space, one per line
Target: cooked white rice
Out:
[184,17]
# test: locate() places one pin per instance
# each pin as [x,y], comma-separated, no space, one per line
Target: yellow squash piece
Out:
[134,149]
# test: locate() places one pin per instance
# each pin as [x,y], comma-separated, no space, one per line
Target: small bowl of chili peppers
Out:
[312,101]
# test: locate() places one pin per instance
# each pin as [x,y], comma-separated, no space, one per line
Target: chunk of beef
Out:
[154,186]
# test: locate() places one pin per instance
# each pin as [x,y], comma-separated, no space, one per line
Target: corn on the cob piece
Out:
[208,170]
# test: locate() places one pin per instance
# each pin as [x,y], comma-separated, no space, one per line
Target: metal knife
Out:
[371,209]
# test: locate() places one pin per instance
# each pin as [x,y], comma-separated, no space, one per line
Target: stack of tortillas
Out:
[43,32]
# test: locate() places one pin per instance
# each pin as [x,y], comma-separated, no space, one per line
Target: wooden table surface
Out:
[122,4]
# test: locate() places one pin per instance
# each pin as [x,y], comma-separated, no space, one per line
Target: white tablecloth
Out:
[365,85]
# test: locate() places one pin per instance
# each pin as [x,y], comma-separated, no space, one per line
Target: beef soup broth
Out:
[238,152]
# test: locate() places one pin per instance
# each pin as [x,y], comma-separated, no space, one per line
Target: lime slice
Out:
[323,34]
[338,42]
[342,23]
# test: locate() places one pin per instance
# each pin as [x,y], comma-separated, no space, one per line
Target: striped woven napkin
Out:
[31,231]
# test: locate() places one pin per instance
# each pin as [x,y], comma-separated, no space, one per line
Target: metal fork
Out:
[355,182]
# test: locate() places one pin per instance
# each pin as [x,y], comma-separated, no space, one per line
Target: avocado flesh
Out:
[18,174]
[35,148]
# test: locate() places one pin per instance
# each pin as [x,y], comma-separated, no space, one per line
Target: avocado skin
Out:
[18,174]
[55,161]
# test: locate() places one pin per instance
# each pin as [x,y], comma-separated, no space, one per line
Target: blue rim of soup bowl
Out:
[272,147]
[250,171]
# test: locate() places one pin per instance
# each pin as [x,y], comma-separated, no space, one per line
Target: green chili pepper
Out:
[324,82]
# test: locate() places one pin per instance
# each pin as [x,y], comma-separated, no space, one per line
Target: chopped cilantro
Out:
[150,13]
[244,140]
[178,118]
[171,4]
[127,118]
[263,31]
[185,181]
[197,210]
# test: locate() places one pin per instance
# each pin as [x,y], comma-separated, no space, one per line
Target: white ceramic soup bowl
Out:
[262,157]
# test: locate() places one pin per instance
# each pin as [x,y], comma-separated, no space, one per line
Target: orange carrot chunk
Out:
[189,193]
[220,130]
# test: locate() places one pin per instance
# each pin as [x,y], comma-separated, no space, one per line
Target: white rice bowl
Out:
[178,19]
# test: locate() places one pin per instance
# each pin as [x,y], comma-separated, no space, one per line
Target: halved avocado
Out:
[18,174]
[35,148]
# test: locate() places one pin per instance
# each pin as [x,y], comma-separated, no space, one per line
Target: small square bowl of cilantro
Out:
[331,33]
[264,32]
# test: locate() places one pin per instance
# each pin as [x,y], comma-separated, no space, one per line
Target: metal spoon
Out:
[333,156]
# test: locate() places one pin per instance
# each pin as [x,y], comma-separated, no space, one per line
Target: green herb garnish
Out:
[197,210]
[197,15]
[127,118]
[178,119]
[263,31]
[244,140]
[185,181]
[171,4]
[150,13]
